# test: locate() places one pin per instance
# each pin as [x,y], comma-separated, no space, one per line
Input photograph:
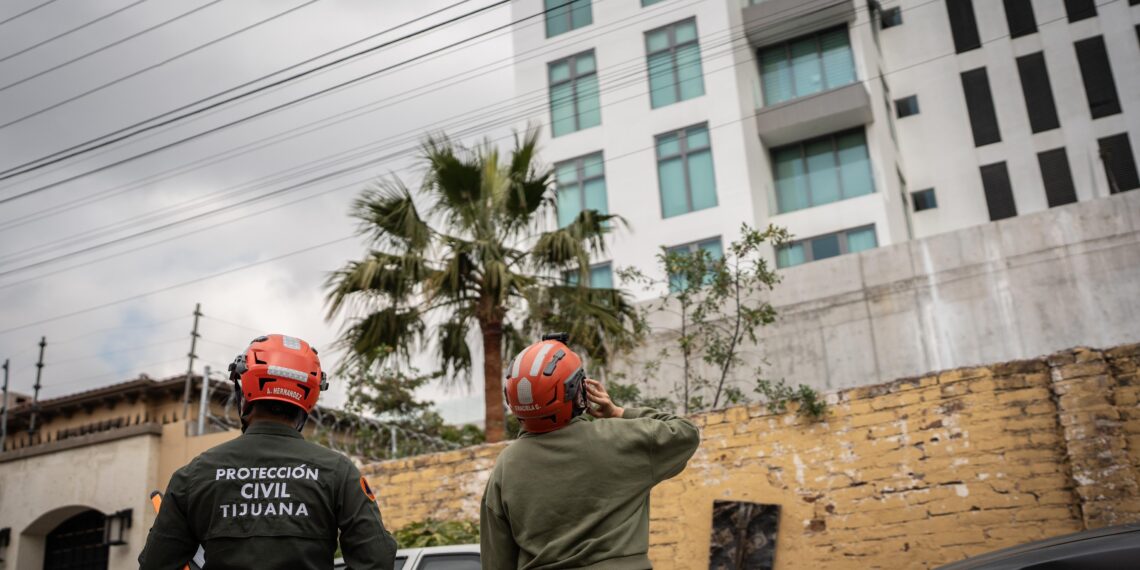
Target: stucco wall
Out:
[909,474]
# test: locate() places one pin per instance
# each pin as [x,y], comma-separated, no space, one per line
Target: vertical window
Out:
[963,25]
[825,246]
[999,193]
[581,184]
[1080,9]
[980,104]
[906,106]
[574,94]
[1019,16]
[822,171]
[923,200]
[674,63]
[601,276]
[891,17]
[1119,168]
[1058,179]
[807,65]
[565,15]
[685,171]
[713,252]
[1097,76]
[1038,93]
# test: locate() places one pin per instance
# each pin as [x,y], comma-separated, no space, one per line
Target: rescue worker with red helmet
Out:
[269,499]
[573,490]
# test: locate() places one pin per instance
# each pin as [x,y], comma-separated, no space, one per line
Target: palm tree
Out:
[476,245]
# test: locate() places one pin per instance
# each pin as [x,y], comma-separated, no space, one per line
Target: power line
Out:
[610,84]
[22,170]
[112,45]
[25,12]
[235,88]
[68,32]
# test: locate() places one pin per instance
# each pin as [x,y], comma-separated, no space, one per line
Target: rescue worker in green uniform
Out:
[573,490]
[269,499]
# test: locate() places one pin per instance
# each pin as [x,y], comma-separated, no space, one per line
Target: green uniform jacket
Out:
[579,497]
[268,500]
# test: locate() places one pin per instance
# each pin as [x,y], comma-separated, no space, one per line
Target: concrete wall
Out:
[910,474]
[1014,289]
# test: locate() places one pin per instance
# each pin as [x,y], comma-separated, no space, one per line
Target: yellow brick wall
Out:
[909,474]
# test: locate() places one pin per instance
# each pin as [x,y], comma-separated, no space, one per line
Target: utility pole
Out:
[203,401]
[4,410]
[36,394]
[192,355]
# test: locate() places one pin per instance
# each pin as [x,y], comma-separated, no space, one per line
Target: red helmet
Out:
[279,367]
[545,386]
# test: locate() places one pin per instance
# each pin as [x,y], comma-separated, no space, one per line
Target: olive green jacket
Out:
[578,497]
[267,500]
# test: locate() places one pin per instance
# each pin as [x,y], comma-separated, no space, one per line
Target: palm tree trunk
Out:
[494,419]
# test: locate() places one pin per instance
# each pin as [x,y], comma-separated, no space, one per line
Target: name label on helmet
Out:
[529,408]
[285,392]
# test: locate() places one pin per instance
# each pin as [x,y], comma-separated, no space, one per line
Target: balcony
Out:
[768,22]
[814,115]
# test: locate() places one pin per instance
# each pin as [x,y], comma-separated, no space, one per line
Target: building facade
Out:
[852,124]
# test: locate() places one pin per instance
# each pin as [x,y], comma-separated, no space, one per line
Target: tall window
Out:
[581,184]
[1096,74]
[821,171]
[713,252]
[674,63]
[963,25]
[685,171]
[1038,93]
[1119,167]
[825,246]
[1019,16]
[999,193]
[601,276]
[574,94]
[980,105]
[1058,178]
[565,15]
[807,65]
[1080,9]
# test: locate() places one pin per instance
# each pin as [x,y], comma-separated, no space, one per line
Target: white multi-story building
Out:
[852,123]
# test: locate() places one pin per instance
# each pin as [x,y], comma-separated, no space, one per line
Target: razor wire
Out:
[353,435]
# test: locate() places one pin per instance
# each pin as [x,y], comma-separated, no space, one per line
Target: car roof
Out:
[1103,539]
[453,549]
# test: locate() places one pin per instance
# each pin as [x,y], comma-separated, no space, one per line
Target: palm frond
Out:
[573,245]
[394,277]
[365,340]
[388,212]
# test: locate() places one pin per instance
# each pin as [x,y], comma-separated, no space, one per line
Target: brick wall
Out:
[908,474]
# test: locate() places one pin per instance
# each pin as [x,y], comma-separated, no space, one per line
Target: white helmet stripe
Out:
[517,364]
[291,342]
[538,358]
[288,373]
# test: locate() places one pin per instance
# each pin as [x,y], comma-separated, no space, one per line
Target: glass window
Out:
[923,200]
[674,61]
[645,3]
[580,185]
[807,65]
[713,252]
[906,106]
[685,171]
[601,276]
[891,17]
[450,562]
[825,246]
[565,15]
[574,94]
[822,171]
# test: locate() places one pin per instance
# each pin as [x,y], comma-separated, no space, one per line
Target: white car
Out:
[459,557]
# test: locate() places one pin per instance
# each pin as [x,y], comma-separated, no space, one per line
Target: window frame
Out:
[963,25]
[1121,165]
[672,48]
[1001,203]
[787,49]
[683,153]
[1021,14]
[573,80]
[580,179]
[1038,92]
[890,18]
[1057,177]
[911,101]
[571,273]
[1091,53]
[980,107]
[692,247]
[932,204]
[835,153]
[809,254]
[568,6]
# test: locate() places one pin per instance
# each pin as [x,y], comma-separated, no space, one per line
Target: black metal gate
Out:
[77,543]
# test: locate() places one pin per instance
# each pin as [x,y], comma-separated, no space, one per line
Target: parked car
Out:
[460,557]
[1112,548]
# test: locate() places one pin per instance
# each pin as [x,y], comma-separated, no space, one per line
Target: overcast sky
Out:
[89,347]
